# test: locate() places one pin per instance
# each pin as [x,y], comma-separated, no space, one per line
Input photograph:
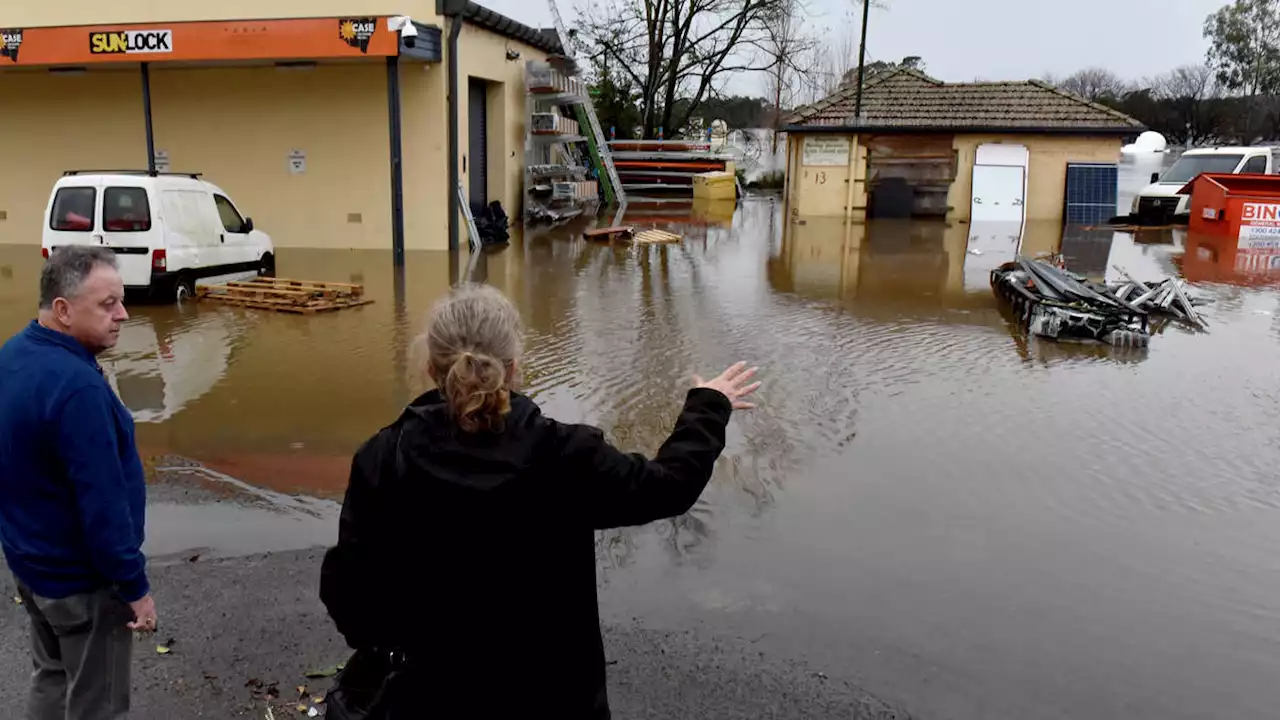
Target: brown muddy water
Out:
[964,521]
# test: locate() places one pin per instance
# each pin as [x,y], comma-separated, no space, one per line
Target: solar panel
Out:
[1092,190]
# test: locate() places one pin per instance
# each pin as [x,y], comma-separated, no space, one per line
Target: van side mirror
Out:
[1155,177]
[247,227]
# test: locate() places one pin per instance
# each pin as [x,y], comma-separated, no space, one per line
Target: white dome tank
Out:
[1148,142]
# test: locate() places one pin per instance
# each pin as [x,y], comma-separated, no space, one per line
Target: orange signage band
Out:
[348,37]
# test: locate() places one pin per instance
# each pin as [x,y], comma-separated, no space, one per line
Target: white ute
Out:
[168,230]
[1160,204]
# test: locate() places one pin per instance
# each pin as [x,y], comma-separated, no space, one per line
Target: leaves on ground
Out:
[325,672]
[162,650]
[17,600]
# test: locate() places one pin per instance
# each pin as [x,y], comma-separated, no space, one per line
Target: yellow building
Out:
[331,122]
[920,143]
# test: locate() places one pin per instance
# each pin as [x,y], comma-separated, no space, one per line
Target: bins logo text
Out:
[1261,214]
[357,32]
[131,41]
[10,41]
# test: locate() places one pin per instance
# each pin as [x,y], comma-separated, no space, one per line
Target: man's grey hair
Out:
[66,270]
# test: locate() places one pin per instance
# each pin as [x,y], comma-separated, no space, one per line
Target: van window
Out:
[73,209]
[1256,164]
[231,219]
[125,209]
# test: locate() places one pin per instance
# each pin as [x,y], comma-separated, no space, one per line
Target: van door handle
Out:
[222,238]
[100,240]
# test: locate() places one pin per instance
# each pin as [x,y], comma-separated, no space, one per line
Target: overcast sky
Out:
[962,40]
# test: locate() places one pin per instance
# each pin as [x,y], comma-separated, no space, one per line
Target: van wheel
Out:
[184,289]
[267,267]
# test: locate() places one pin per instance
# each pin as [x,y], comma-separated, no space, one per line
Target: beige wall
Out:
[53,123]
[824,191]
[1046,184]
[482,54]
[424,131]
[1047,173]
[238,125]
[94,12]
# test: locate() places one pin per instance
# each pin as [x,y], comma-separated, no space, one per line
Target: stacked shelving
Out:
[560,179]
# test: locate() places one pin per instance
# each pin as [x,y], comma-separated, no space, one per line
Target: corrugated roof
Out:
[905,99]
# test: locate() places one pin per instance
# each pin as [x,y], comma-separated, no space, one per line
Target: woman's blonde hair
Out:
[474,338]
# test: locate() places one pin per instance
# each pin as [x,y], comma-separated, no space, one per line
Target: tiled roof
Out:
[905,99]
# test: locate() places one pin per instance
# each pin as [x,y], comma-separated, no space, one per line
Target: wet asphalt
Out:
[243,632]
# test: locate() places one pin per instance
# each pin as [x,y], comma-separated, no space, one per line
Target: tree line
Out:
[1233,97]
[667,67]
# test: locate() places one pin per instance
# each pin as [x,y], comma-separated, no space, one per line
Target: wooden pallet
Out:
[285,295]
[608,233]
[646,237]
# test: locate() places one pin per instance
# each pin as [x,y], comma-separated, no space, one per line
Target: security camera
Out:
[409,31]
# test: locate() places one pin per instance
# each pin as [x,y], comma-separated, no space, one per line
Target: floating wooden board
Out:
[646,237]
[608,233]
[285,295]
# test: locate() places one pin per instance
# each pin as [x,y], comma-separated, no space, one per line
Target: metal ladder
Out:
[601,147]
[471,219]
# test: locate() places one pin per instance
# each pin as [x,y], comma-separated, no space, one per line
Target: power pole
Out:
[862,60]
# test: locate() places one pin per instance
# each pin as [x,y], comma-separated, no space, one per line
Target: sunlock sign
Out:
[131,41]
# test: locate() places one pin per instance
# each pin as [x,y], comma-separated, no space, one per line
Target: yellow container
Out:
[714,212]
[715,186]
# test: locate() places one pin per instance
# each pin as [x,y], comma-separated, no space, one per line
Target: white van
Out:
[1159,203]
[168,230]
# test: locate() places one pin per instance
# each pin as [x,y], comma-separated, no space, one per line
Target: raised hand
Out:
[734,383]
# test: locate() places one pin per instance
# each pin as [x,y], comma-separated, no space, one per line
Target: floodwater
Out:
[965,522]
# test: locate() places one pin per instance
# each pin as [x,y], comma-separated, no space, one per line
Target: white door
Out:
[998,193]
[129,229]
[238,253]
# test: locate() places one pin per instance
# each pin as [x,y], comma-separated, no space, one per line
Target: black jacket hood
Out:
[430,442]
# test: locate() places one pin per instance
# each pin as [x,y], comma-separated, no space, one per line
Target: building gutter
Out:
[397,161]
[453,9]
[146,114]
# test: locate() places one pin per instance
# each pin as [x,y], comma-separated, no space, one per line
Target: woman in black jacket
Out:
[466,553]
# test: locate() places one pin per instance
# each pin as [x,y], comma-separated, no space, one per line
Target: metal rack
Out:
[560,179]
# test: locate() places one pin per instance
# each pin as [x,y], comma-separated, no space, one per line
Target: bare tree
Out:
[1092,84]
[786,45]
[828,62]
[678,52]
[1196,82]
[1190,94]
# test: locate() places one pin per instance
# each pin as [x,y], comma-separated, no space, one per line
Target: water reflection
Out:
[978,524]
[167,360]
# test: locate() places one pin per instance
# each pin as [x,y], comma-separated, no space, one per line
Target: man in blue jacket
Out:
[72,493]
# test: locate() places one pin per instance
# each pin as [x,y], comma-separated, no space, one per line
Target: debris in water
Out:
[313,713]
[1054,303]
